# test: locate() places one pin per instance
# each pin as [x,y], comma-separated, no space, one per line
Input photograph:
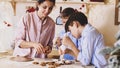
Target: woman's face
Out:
[45,8]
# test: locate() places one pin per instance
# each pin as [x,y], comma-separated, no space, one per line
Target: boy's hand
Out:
[67,41]
[57,41]
[69,51]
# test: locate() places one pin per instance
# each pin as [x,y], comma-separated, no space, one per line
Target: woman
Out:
[35,32]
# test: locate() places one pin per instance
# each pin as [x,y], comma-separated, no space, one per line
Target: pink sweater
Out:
[31,28]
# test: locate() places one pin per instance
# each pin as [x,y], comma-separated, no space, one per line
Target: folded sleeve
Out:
[86,52]
[20,32]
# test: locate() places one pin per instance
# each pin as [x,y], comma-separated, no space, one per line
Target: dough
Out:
[21,59]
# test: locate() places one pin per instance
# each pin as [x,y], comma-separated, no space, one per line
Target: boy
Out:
[91,41]
[64,16]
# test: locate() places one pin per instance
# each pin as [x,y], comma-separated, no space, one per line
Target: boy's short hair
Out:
[77,16]
[67,12]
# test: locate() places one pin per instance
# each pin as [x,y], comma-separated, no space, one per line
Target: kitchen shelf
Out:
[71,2]
[117,9]
[13,3]
[61,2]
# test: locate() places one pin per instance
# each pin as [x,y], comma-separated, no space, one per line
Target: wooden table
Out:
[5,62]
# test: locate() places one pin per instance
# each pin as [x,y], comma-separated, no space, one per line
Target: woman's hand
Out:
[47,49]
[38,48]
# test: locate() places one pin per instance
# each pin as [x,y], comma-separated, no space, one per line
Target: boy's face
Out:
[64,20]
[74,30]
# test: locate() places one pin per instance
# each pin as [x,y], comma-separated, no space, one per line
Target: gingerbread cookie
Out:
[35,62]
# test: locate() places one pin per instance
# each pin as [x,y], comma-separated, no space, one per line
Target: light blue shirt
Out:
[91,42]
[68,56]
[61,34]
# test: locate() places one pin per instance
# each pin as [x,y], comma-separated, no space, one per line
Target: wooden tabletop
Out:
[5,62]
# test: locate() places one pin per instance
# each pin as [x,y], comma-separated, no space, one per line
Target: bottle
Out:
[58,19]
